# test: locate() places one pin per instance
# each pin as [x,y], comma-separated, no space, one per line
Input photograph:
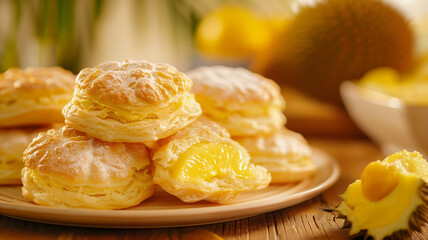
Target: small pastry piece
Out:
[391,199]
[202,162]
[34,96]
[285,154]
[131,101]
[13,143]
[243,102]
[68,168]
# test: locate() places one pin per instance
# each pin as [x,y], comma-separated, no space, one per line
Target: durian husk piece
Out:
[418,218]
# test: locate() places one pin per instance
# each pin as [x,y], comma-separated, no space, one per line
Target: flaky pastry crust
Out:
[131,101]
[68,168]
[34,96]
[13,143]
[230,84]
[285,154]
[220,189]
[243,102]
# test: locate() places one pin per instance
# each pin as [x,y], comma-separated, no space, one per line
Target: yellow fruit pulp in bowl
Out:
[205,161]
[411,88]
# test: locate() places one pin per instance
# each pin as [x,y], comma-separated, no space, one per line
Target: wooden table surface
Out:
[303,221]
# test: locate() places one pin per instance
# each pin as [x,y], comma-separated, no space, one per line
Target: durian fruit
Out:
[337,40]
[390,200]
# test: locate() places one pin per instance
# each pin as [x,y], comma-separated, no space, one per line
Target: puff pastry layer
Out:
[34,96]
[131,101]
[202,162]
[243,102]
[285,154]
[68,168]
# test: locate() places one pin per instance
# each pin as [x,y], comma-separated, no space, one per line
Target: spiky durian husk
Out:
[417,219]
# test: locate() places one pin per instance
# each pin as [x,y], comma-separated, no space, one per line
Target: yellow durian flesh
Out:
[378,180]
[411,162]
[397,207]
[204,161]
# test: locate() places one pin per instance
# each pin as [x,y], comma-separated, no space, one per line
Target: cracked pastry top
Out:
[131,101]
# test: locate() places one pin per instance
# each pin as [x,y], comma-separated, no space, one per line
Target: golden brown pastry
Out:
[131,101]
[34,96]
[202,162]
[243,102]
[13,143]
[285,154]
[68,168]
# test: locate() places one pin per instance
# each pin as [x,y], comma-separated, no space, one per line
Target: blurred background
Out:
[332,41]
[82,33]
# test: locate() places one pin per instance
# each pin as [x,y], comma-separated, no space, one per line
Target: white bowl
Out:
[387,120]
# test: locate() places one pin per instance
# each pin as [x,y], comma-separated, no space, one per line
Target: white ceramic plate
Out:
[164,210]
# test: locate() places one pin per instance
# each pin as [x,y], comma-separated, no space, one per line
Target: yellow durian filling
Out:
[205,161]
[10,167]
[58,100]
[108,111]
[412,162]
[9,161]
[378,180]
[412,87]
[221,113]
[211,108]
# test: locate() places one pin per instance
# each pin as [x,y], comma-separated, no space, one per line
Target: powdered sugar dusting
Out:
[237,84]
[132,83]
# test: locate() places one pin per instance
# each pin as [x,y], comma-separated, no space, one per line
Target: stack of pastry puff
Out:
[131,125]
[251,108]
[31,101]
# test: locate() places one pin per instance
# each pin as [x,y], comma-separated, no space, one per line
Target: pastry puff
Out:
[131,101]
[13,143]
[202,162]
[34,96]
[285,154]
[68,168]
[243,102]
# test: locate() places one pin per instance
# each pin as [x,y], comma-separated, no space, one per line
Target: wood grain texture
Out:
[306,220]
